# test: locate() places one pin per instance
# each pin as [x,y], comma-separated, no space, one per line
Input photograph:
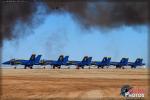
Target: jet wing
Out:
[47,62]
[73,62]
[130,63]
[133,63]
[95,62]
[114,63]
[15,62]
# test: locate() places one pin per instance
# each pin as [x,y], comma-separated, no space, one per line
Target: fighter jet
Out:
[123,62]
[27,63]
[85,62]
[138,62]
[104,62]
[55,63]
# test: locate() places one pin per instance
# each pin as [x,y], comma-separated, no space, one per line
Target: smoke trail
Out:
[106,14]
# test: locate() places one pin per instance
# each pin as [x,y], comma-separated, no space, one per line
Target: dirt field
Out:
[88,84]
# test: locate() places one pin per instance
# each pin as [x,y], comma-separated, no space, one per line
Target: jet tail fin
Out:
[61,57]
[85,59]
[89,59]
[124,60]
[106,60]
[37,59]
[138,61]
[32,57]
[65,59]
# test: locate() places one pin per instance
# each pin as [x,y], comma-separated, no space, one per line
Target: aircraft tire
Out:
[133,67]
[53,67]
[77,67]
[117,66]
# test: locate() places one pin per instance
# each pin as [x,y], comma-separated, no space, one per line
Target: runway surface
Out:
[63,84]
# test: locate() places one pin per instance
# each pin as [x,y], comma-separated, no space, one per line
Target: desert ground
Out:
[70,84]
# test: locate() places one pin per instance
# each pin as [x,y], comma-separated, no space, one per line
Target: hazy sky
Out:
[60,34]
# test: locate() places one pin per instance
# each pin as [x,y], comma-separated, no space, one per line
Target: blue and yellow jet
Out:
[27,63]
[56,63]
[103,63]
[123,62]
[138,62]
[86,61]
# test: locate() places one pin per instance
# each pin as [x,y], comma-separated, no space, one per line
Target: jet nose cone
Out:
[3,63]
[7,62]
